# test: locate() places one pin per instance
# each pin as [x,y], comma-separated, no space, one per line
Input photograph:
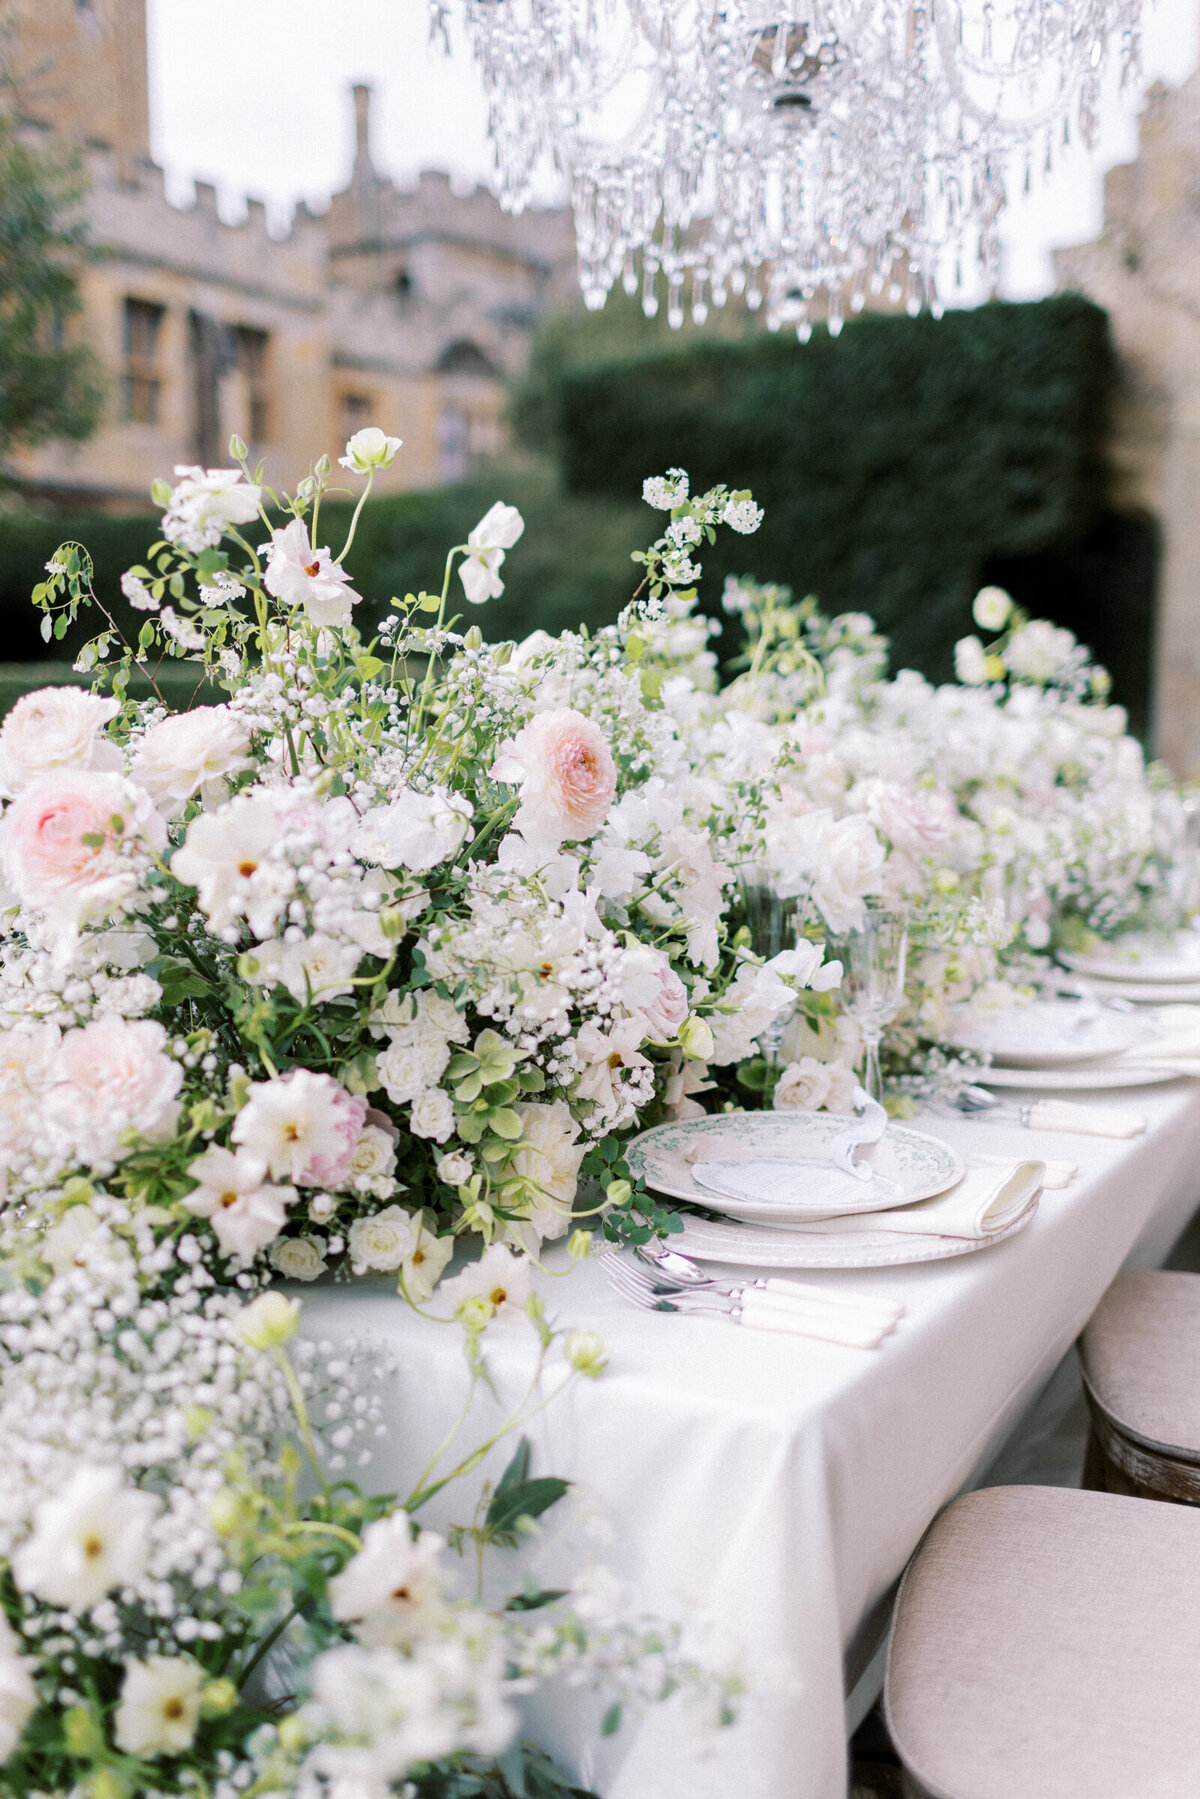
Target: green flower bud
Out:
[579,1245]
[587,1353]
[619,1192]
[473,639]
[218,1697]
[237,448]
[696,1038]
[268,1321]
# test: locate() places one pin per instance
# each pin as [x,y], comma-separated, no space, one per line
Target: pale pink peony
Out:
[61,834]
[304,1126]
[114,1075]
[564,768]
[56,727]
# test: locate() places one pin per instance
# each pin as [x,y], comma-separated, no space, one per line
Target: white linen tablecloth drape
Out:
[774,1484]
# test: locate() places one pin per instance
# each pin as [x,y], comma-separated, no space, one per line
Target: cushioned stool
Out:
[1141,1373]
[1046,1645]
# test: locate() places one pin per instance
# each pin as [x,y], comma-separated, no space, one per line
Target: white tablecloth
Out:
[778,1483]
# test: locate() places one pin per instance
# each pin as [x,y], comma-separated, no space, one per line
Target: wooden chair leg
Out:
[1095,1464]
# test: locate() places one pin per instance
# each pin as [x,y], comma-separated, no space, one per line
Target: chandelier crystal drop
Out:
[799,153]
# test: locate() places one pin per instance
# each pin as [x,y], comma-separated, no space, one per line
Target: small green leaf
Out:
[612,1721]
[506,1124]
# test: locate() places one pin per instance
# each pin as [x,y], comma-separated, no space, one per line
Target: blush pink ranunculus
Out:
[66,832]
[564,768]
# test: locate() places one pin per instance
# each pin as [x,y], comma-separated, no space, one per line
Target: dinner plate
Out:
[1091,1076]
[1048,1032]
[913,1166]
[758,1246]
[1151,993]
[1142,958]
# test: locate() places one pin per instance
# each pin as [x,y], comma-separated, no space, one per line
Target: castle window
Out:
[250,360]
[402,285]
[356,409]
[462,357]
[141,379]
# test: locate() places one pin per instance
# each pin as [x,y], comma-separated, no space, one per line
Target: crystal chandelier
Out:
[799,153]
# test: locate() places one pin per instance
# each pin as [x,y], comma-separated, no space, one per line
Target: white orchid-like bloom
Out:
[479,572]
[86,1540]
[502,1280]
[160,1705]
[299,575]
[18,1695]
[392,1584]
[370,449]
[244,1209]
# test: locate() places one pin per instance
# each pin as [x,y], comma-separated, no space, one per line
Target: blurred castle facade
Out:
[1145,271]
[405,308]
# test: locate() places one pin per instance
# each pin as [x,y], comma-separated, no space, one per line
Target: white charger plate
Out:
[1048,1032]
[919,1165]
[760,1246]
[1142,958]
[1090,1078]
[1151,993]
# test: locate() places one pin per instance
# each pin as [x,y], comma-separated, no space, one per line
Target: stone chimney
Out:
[364,181]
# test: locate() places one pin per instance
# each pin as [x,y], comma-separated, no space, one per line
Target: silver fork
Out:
[758,1311]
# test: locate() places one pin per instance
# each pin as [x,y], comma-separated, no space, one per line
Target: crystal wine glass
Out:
[873,958]
[773,927]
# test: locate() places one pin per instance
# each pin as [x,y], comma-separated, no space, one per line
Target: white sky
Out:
[253,94]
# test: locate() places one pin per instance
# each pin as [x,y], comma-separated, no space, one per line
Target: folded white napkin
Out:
[985,1201]
[1176,1046]
[1085,1121]
[1058,1174]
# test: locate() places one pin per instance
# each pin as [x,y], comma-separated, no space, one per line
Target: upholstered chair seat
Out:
[1046,1645]
[1140,1356]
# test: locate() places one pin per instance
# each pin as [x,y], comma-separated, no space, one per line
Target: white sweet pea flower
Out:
[417,831]
[497,531]
[86,1540]
[369,449]
[205,503]
[160,1705]
[299,575]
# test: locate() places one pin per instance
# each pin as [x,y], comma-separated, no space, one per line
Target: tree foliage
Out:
[50,387]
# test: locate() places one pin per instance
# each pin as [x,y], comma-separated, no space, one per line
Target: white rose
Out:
[369,449]
[432,1115]
[455,1168]
[374,1158]
[991,608]
[851,867]
[970,662]
[298,1258]
[382,1241]
[55,727]
[417,831]
[191,752]
[415,1058]
[804,1087]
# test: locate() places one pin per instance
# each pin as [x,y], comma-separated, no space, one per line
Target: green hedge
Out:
[571,565]
[896,463]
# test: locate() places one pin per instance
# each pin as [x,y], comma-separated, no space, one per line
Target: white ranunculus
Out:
[991,608]
[392,1585]
[432,1115]
[369,449]
[190,753]
[970,662]
[55,727]
[160,1705]
[298,1258]
[381,1242]
[205,502]
[86,1540]
[18,1694]
[416,831]
[479,572]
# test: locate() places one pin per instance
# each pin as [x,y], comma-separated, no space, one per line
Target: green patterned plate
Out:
[912,1166]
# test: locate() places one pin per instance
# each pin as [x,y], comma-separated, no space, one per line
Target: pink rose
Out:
[655,992]
[564,768]
[67,831]
[113,1075]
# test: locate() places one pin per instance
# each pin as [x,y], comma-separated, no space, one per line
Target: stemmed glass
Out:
[873,957]
[773,927]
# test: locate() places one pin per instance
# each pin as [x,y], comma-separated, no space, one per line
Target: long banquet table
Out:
[773,1487]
